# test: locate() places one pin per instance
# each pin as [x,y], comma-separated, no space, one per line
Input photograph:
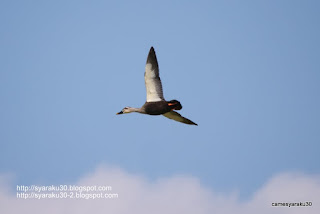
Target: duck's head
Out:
[175,104]
[127,110]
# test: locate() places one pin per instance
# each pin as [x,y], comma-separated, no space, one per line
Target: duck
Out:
[155,103]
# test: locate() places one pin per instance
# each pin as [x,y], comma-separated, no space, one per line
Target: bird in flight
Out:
[156,104]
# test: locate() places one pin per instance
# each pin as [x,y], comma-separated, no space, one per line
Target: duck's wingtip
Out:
[152,58]
[152,49]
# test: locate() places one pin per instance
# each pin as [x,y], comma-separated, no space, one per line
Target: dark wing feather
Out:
[177,117]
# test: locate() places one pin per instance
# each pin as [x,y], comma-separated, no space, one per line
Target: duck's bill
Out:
[121,112]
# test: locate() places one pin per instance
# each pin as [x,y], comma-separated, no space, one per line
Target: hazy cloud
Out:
[177,194]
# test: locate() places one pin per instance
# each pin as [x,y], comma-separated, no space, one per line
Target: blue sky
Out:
[247,72]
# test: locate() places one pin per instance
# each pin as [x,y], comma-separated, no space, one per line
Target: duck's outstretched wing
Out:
[177,117]
[152,79]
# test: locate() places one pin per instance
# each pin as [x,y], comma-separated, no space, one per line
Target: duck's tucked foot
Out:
[175,104]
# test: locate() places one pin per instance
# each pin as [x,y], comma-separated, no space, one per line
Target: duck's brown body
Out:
[156,108]
[159,107]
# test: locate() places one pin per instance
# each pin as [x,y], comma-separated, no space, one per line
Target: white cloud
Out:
[177,194]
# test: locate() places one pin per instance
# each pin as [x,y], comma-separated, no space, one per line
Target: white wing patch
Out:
[153,84]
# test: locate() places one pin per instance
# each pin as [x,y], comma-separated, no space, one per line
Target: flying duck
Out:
[156,104]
